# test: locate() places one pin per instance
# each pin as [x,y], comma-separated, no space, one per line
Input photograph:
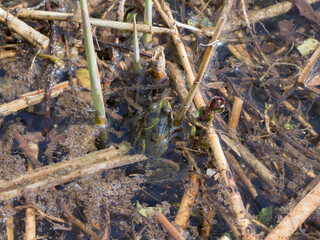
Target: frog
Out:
[152,132]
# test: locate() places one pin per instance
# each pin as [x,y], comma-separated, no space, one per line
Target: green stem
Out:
[100,116]
[203,68]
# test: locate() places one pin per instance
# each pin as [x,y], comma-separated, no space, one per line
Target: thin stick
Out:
[31,98]
[169,227]
[236,110]
[65,209]
[300,118]
[57,16]
[187,201]
[238,169]
[24,30]
[297,215]
[305,72]
[257,167]
[10,224]
[205,63]
[30,222]
[253,36]
[181,51]
[262,14]
[58,173]
[245,227]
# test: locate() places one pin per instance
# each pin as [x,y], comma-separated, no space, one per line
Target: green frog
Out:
[152,134]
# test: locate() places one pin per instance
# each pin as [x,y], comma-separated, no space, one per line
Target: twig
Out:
[58,173]
[238,169]
[24,30]
[300,118]
[265,13]
[181,51]
[10,224]
[257,167]
[30,222]
[305,72]
[57,16]
[205,62]
[236,110]
[297,215]
[66,211]
[169,227]
[187,201]
[31,98]
[245,227]
[253,36]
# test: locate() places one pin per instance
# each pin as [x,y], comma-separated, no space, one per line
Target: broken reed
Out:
[100,116]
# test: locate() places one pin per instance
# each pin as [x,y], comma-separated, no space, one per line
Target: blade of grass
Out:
[100,116]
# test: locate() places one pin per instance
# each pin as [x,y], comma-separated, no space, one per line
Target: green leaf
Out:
[265,215]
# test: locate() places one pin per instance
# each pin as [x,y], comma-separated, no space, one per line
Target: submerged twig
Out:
[58,173]
[169,227]
[31,98]
[235,114]
[297,215]
[187,201]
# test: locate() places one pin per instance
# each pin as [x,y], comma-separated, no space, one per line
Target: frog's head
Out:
[154,128]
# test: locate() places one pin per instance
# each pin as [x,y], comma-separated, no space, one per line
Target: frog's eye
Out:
[153,107]
[166,111]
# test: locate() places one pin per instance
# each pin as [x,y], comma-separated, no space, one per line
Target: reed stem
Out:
[100,116]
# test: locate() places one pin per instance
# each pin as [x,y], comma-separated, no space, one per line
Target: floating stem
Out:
[100,116]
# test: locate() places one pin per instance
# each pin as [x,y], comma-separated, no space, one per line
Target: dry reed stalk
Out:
[24,30]
[300,118]
[207,223]
[8,54]
[257,167]
[297,215]
[235,115]
[63,206]
[187,201]
[243,223]
[58,173]
[205,61]
[31,98]
[246,228]
[10,224]
[57,16]
[244,178]
[158,64]
[306,70]
[181,51]
[262,14]
[244,10]
[30,221]
[173,232]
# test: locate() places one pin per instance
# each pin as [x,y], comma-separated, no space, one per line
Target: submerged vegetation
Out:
[149,120]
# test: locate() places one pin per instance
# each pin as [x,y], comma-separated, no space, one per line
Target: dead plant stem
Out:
[57,16]
[297,215]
